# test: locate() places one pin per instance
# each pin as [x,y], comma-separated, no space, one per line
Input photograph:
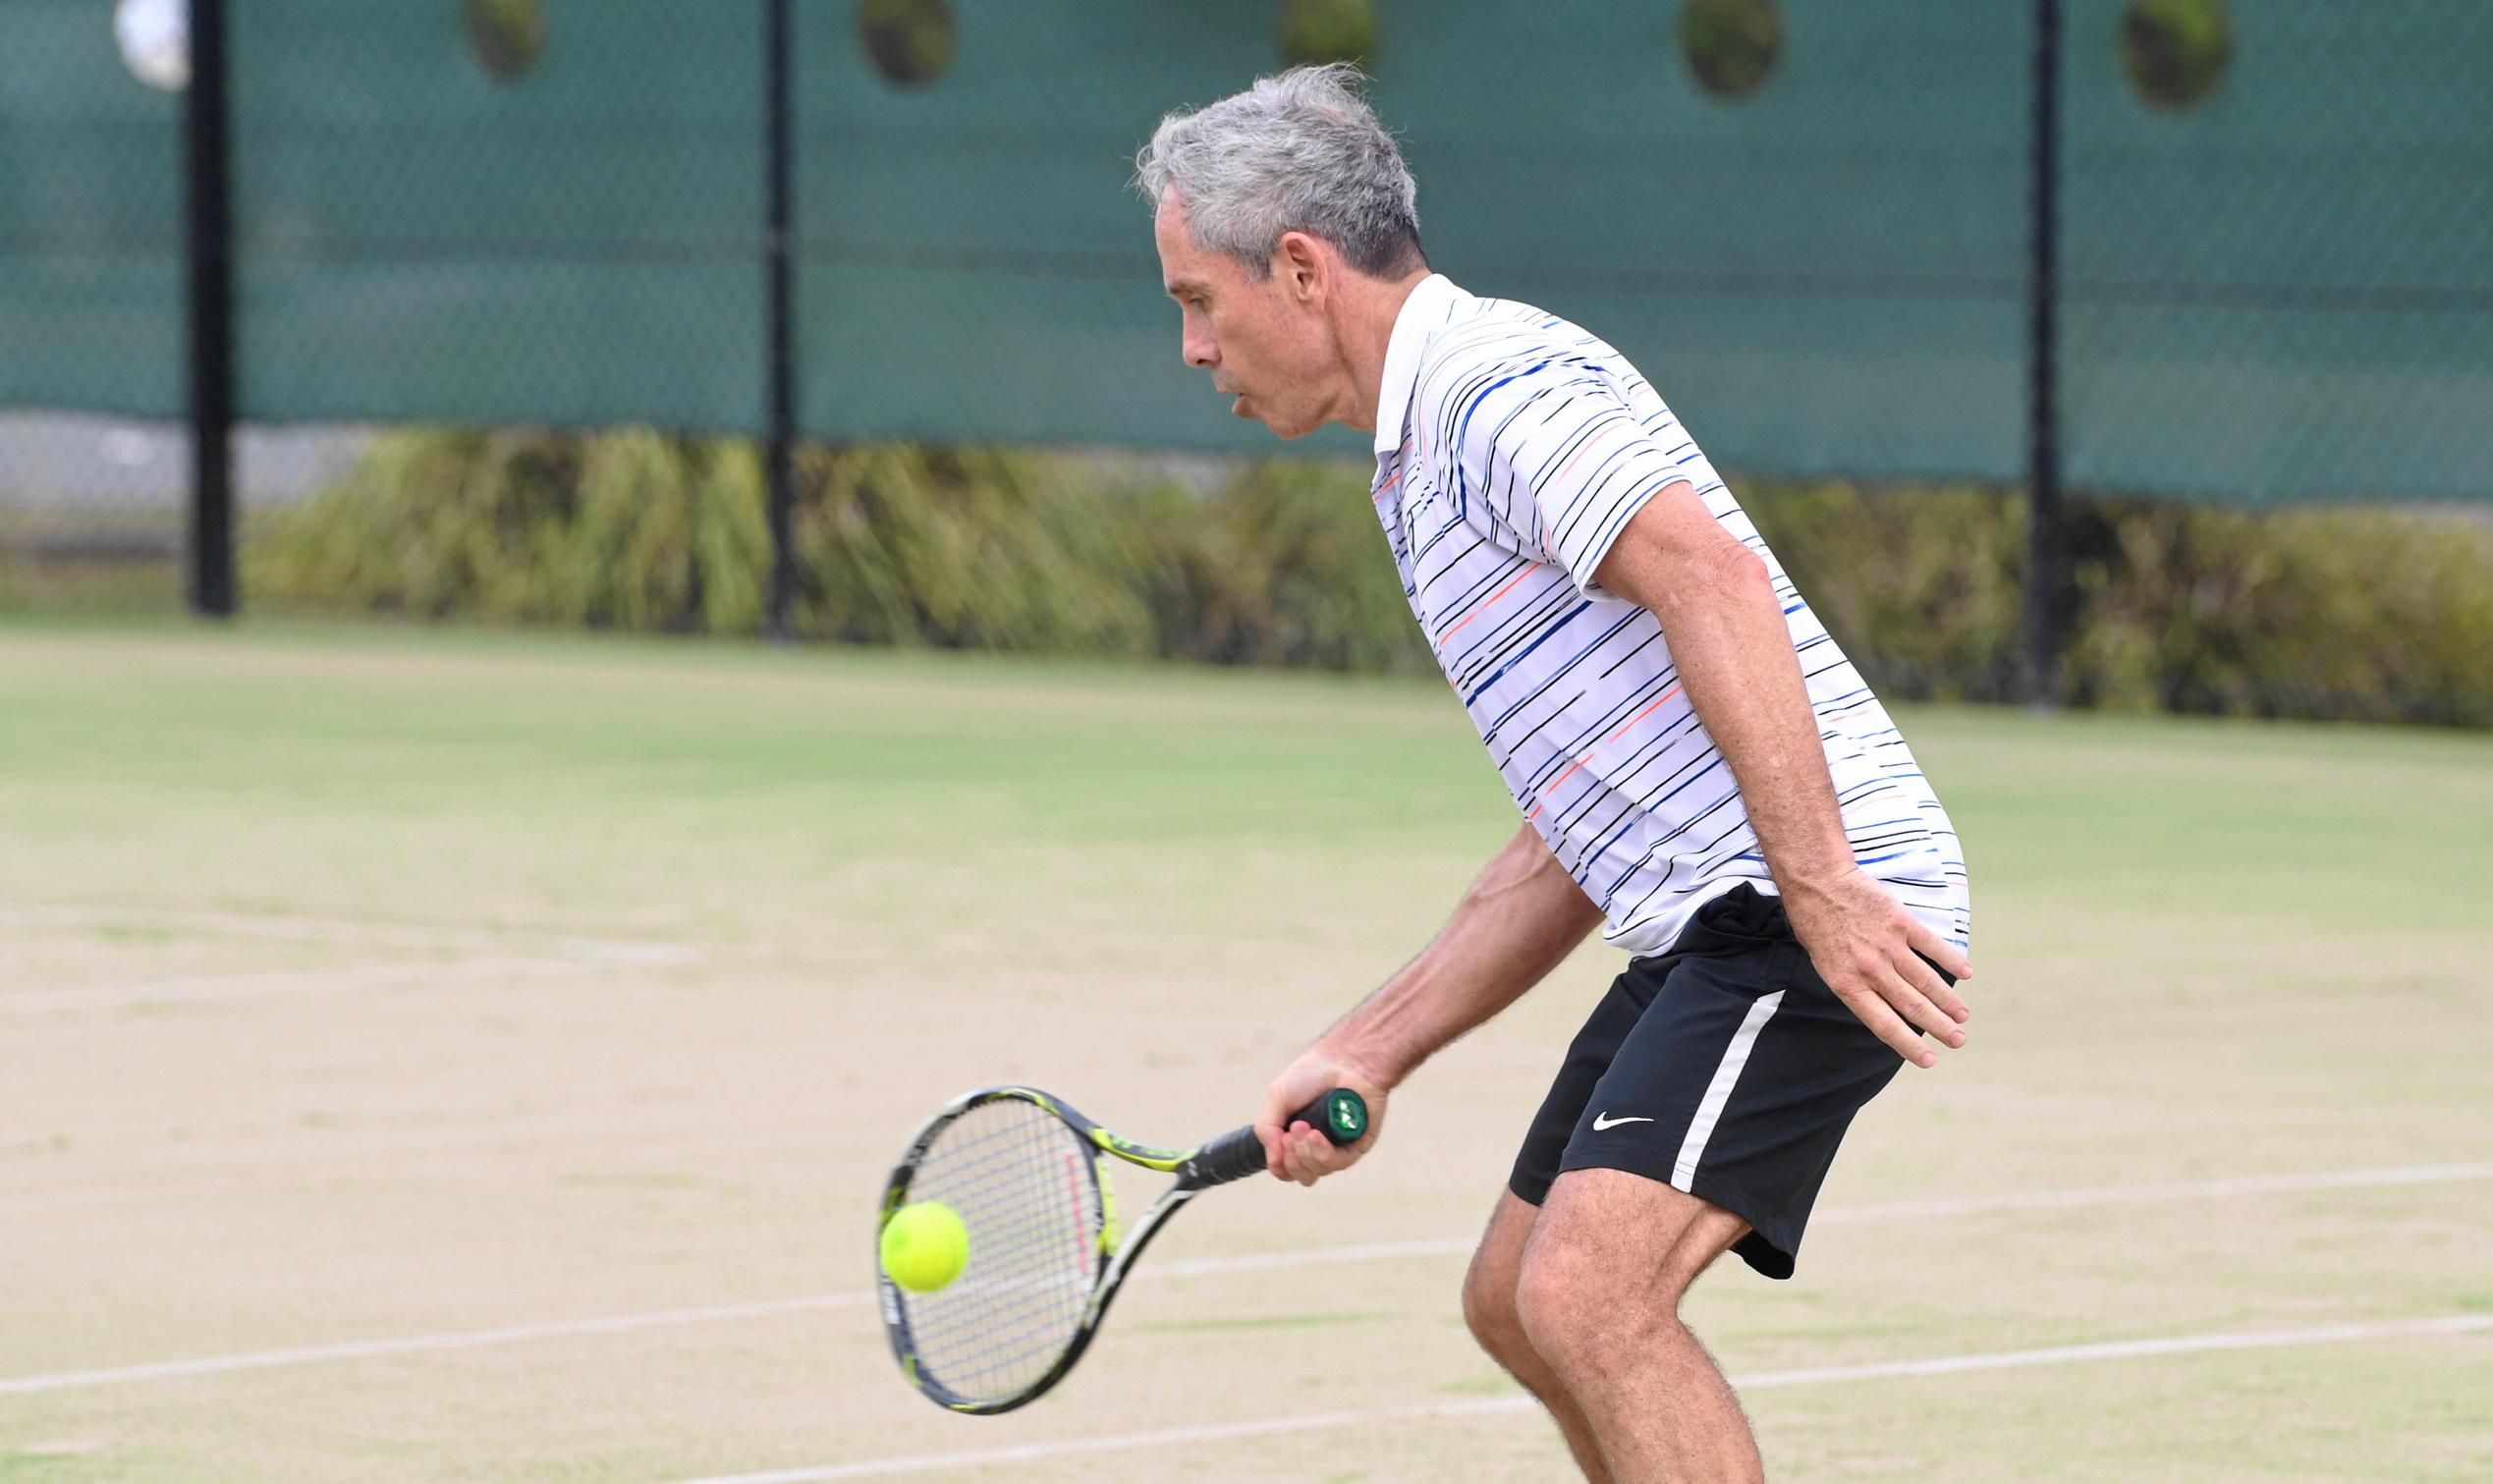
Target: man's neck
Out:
[1366,340]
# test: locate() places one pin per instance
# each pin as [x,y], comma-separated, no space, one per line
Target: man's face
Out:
[1262,343]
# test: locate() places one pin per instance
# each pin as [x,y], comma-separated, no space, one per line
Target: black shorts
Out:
[1725,1068]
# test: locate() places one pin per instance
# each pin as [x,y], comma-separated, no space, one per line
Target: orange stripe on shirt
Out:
[1478,608]
[1573,768]
[1589,444]
[1658,704]
[1397,473]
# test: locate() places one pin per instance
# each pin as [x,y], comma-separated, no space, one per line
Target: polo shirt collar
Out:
[1432,302]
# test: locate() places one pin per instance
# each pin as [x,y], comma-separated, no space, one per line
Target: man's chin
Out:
[1241,408]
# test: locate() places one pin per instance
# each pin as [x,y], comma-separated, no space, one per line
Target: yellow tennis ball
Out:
[924,1245]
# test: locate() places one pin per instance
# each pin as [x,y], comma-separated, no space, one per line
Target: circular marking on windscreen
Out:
[2174,51]
[909,42]
[1731,46]
[1315,31]
[506,36]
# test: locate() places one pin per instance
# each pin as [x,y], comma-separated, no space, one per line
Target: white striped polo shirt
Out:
[1510,450]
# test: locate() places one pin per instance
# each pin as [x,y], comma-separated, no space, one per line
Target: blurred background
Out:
[2133,353]
[604,601]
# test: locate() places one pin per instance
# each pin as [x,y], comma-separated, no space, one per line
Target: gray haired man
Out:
[1699,771]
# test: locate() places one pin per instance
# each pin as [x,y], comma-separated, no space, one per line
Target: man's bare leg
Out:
[1488,1306]
[1607,1262]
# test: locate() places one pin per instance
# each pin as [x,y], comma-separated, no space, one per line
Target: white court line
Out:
[198,989]
[563,1329]
[2178,1191]
[360,1350]
[1935,1365]
[582,948]
[2164,1191]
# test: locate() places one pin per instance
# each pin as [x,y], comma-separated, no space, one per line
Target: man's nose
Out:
[1199,353]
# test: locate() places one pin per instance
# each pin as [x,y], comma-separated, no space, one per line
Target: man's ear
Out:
[1307,271]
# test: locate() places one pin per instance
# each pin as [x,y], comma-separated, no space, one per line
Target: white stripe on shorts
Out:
[1719,1092]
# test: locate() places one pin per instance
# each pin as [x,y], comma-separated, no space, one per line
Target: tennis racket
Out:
[1031,1181]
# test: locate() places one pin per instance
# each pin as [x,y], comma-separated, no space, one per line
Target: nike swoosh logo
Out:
[1603,1120]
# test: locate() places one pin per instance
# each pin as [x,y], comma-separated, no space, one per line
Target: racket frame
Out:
[1117,1250]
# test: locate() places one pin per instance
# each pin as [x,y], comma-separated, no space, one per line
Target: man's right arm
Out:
[1518,921]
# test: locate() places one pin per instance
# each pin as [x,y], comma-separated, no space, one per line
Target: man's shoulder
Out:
[1486,331]
[1496,340]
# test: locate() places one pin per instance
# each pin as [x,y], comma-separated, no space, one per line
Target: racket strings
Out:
[1022,1184]
[1028,1207]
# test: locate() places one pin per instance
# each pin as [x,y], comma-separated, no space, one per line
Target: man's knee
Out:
[1488,1309]
[1607,1263]
[1565,1297]
[1488,1286]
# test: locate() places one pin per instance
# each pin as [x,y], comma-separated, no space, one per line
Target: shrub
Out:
[2312,612]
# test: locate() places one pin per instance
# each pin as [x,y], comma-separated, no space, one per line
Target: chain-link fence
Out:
[1812,222]
[2277,250]
[90,249]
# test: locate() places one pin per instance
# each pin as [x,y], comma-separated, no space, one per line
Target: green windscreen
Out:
[91,219]
[578,245]
[2285,290]
[2282,290]
[1822,277]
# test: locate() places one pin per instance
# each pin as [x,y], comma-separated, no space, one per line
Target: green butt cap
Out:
[1344,1116]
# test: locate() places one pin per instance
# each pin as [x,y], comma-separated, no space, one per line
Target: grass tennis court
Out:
[447,1056]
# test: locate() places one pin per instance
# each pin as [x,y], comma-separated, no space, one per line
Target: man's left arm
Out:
[1726,628]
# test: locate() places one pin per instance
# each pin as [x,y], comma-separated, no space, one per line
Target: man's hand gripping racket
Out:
[1018,1188]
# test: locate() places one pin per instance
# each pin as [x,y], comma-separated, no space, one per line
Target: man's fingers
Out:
[1270,1137]
[1929,988]
[1292,1160]
[1292,1163]
[1926,941]
[1321,1154]
[1888,1026]
[1936,991]
[1309,1156]
[1919,1012]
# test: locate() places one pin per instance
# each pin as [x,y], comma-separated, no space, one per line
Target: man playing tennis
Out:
[1698,768]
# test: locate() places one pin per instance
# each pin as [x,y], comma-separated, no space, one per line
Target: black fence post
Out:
[779,253]
[211,318]
[2042,408]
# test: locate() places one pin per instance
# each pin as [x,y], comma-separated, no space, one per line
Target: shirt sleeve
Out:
[1555,462]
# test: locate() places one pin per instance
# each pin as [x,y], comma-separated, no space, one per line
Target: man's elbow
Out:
[1735,572]
[1716,578]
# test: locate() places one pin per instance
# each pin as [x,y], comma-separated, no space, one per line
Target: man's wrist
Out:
[1364,1058]
[1822,878]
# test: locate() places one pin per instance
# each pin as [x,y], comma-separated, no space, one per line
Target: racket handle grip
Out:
[1340,1115]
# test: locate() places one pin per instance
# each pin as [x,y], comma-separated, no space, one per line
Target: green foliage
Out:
[894,544]
[1920,587]
[111,561]
[2304,612]
[2353,612]
[1286,565]
[969,549]
[628,530]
